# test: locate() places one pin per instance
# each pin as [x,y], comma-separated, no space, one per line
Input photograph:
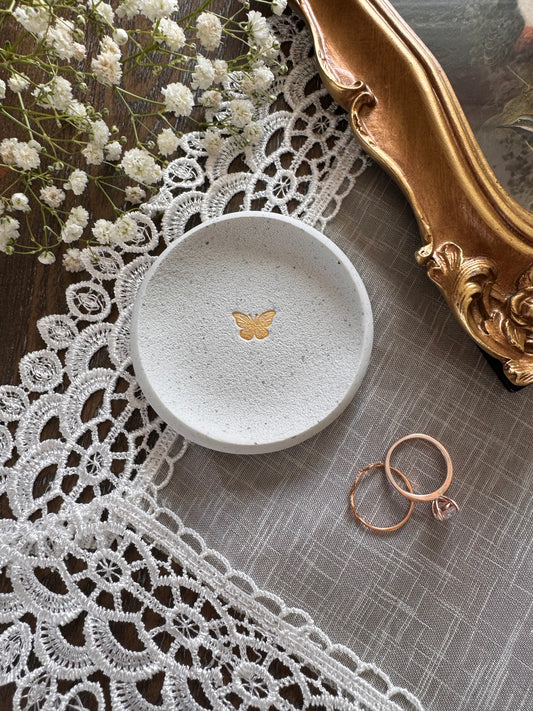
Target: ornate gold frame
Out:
[478,241]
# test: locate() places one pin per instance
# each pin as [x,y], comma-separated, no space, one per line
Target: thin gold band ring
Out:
[381,529]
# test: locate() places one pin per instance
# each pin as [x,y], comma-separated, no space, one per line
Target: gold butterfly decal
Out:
[253,325]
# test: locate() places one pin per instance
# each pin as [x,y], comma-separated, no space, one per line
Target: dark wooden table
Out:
[28,289]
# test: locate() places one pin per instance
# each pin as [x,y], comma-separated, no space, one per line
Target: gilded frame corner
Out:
[477,241]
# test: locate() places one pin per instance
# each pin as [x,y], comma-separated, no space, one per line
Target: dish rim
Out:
[202,437]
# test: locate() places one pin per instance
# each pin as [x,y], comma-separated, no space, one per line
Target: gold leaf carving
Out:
[515,334]
[462,279]
[519,371]
[497,322]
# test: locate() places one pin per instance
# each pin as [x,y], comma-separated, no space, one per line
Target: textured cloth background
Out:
[446,609]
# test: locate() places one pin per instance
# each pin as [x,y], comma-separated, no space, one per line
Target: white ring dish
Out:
[215,376]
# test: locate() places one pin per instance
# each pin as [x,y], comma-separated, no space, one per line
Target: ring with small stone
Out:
[442,507]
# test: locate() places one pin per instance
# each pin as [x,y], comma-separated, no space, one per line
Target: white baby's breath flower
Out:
[208,30]
[79,215]
[94,155]
[135,194]
[263,77]
[213,142]
[259,31]
[156,9]
[258,81]
[178,99]
[211,99]
[18,82]
[20,202]
[78,51]
[167,142]
[26,156]
[278,6]
[108,44]
[52,196]
[60,39]
[171,33]
[102,230]
[7,150]
[139,165]
[128,8]
[72,260]
[56,94]
[74,225]
[59,28]
[71,232]
[121,37]
[242,111]
[246,84]
[46,257]
[99,132]
[9,232]
[125,230]
[77,182]
[77,111]
[221,71]
[34,19]
[203,74]
[113,151]
[103,9]
[253,132]
[106,65]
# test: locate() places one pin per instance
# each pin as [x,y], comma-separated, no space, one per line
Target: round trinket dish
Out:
[251,333]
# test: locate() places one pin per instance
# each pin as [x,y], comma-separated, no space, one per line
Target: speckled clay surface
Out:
[234,395]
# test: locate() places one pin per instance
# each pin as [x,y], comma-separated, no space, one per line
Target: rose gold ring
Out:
[381,529]
[442,507]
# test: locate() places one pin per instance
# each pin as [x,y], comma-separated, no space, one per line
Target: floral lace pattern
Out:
[106,602]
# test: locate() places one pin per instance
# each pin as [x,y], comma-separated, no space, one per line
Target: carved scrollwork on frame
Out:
[478,242]
[499,323]
[466,281]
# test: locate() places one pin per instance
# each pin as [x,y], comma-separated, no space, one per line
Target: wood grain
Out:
[28,290]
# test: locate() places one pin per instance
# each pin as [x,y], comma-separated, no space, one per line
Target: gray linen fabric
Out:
[446,609]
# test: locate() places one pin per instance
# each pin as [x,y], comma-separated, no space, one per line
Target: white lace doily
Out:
[106,602]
